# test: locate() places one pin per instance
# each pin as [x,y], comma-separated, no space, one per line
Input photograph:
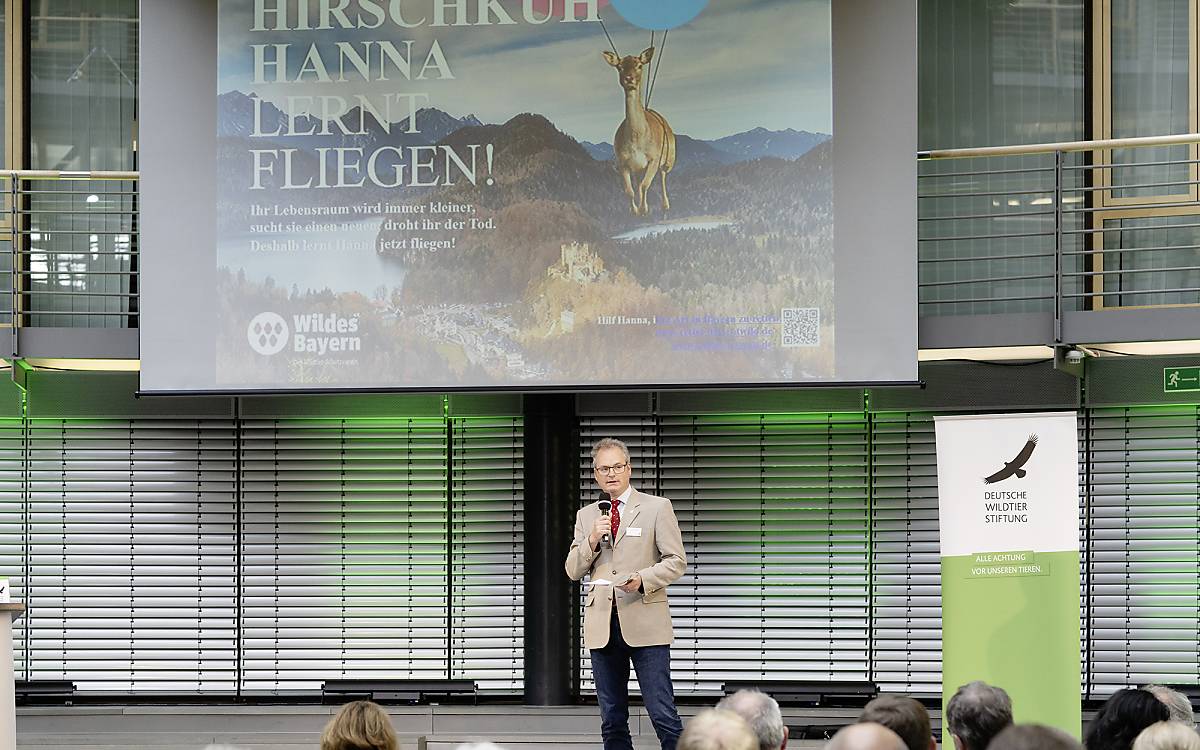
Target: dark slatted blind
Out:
[131,544]
[12,525]
[774,515]
[487,542]
[906,624]
[1144,598]
[344,551]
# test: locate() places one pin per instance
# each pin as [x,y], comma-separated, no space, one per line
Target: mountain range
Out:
[549,191]
[752,144]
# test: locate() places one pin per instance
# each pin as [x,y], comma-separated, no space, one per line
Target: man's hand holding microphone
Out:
[601,530]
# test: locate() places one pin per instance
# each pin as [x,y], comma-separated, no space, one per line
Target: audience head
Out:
[1122,718]
[865,735]
[976,713]
[1176,702]
[360,725]
[1167,735]
[904,716]
[1034,737]
[717,729]
[762,713]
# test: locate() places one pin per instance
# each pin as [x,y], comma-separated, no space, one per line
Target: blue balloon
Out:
[659,15]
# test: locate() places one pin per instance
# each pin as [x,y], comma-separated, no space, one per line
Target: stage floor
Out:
[299,727]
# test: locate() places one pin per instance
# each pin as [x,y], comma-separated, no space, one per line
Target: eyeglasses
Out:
[611,470]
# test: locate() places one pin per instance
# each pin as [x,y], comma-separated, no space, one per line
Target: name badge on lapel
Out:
[634,532]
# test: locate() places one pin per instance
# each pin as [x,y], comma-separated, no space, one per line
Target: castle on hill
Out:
[578,264]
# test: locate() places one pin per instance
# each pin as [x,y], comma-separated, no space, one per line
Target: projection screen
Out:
[477,194]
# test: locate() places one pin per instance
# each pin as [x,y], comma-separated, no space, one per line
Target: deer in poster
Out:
[644,145]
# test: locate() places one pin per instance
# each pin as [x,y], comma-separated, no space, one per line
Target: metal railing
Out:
[68,249]
[1060,227]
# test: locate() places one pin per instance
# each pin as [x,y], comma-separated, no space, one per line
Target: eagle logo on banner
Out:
[1014,466]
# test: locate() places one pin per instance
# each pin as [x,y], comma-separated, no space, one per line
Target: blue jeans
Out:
[610,669]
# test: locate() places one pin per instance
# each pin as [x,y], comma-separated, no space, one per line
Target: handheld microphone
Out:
[605,507]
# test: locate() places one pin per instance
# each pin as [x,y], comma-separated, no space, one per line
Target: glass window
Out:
[1150,94]
[1157,254]
[994,73]
[82,85]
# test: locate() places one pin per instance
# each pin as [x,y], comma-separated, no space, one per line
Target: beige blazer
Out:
[648,542]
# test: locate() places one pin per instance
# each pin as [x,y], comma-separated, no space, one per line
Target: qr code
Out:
[801,326]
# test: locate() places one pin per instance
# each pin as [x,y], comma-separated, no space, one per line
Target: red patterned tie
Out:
[616,519]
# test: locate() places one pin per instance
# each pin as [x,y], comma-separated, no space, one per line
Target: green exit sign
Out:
[1178,379]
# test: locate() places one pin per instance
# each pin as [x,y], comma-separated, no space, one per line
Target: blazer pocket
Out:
[655,596]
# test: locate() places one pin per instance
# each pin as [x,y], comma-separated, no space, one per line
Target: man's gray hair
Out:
[603,443]
[1167,735]
[977,712]
[761,712]
[717,729]
[1176,702]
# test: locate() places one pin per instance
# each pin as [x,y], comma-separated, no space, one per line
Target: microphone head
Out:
[605,506]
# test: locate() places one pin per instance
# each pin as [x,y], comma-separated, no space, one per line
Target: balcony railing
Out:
[1060,243]
[1082,242]
[68,255]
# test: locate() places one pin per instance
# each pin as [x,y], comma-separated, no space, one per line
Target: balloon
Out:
[659,15]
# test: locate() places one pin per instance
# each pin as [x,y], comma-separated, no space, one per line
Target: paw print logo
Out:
[267,333]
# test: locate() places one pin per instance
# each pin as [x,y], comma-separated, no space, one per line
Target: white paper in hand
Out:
[598,582]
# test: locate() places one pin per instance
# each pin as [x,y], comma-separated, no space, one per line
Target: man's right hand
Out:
[602,526]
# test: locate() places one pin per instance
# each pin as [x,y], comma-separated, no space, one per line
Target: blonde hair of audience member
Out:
[1176,702]
[361,725]
[865,735]
[717,729]
[1167,735]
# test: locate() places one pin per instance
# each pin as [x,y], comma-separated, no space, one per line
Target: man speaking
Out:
[630,546]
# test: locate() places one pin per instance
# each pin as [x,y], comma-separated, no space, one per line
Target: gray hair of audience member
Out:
[1176,702]
[1168,735]
[717,729]
[903,715]
[1034,737]
[608,442]
[865,735]
[976,713]
[762,713]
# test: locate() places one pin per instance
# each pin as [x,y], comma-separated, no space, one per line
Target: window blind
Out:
[344,551]
[12,525]
[131,555]
[487,543]
[906,622]
[1144,520]
[773,510]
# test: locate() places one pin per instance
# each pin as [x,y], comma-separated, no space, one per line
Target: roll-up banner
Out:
[1008,496]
